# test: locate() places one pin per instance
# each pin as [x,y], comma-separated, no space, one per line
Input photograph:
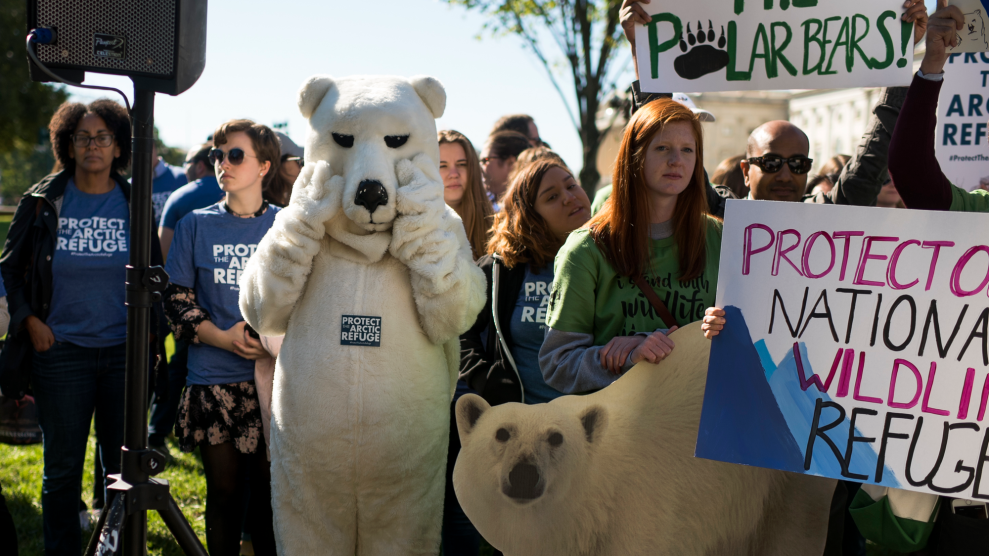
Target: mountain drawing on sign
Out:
[700,57]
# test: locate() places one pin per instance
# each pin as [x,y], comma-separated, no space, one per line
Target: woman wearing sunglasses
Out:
[654,238]
[220,412]
[63,266]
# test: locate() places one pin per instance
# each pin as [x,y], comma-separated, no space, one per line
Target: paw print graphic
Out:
[700,57]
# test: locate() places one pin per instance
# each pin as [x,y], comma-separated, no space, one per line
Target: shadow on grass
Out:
[27,521]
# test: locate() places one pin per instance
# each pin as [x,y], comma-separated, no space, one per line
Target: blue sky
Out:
[259,53]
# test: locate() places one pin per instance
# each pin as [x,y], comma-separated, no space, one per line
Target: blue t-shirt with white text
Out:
[208,254]
[88,269]
[528,328]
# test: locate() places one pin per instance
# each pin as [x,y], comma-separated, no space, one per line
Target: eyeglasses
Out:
[485,160]
[297,159]
[102,140]
[235,156]
[772,163]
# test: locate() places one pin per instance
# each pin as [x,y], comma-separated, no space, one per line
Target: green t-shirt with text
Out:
[590,298]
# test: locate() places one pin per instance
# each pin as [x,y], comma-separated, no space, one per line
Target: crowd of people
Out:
[577,291]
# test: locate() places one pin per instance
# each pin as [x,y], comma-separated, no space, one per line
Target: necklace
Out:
[259,212]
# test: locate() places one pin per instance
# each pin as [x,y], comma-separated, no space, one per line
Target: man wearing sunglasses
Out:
[776,163]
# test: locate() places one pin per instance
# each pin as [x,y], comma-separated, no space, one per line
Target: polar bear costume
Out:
[369,276]
[613,474]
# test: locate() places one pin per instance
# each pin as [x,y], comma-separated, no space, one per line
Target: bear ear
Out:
[469,409]
[312,93]
[431,92]
[593,419]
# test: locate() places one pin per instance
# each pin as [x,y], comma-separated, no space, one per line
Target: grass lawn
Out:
[20,475]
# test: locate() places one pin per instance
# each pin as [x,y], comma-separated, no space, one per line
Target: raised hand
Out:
[631,14]
[916,13]
[942,33]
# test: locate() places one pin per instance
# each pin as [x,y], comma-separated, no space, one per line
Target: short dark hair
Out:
[201,154]
[513,122]
[66,119]
[508,143]
[275,188]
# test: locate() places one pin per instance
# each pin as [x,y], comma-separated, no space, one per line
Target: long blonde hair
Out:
[475,208]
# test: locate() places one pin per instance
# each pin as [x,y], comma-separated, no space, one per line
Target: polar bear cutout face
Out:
[362,126]
[974,31]
[535,458]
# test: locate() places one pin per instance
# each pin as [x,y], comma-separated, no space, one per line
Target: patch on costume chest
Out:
[356,330]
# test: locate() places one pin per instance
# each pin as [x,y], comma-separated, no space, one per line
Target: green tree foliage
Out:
[587,33]
[25,108]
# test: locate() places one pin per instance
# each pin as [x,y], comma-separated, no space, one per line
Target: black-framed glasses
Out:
[102,140]
[235,156]
[772,163]
[485,160]
[297,159]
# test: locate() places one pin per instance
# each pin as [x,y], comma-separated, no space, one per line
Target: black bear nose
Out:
[371,195]
[524,482]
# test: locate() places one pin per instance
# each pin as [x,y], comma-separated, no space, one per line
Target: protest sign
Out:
[972,37]
[856,346]
[733,45]
[961,144]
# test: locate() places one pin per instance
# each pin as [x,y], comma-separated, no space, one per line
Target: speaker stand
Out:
[123,525]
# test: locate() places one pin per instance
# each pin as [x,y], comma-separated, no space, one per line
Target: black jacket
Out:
[26,267]
[490,370]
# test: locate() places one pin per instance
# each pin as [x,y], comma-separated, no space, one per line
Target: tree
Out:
[587,32]
[26,107]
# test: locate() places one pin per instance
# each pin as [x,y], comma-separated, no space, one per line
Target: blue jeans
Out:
[163,413]
[71,383]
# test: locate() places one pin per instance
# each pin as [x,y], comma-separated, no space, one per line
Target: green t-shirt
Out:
[600,197]
[969,201]
[590,298]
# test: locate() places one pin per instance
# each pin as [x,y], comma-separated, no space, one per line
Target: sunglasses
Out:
[235,156]
[772,163]
[297,159]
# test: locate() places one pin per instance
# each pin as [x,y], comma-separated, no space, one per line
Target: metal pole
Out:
[138,313]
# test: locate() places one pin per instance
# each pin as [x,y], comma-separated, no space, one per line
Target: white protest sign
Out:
[972,37]
[732,45]
[961,143]
[856,346]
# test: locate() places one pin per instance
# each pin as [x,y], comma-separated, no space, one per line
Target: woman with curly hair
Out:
[542,206]
[462,187]
[654,238]
[220,412]
[64,268]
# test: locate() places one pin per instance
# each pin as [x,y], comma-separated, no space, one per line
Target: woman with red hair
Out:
[653,245]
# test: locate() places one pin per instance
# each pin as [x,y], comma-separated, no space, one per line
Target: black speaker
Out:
[159,44]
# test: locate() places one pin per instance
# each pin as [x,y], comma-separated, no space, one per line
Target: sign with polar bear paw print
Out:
[733,45]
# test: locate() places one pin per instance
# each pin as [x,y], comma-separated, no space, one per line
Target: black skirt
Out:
[220,413]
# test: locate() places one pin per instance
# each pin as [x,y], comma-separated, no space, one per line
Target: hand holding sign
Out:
[942,35]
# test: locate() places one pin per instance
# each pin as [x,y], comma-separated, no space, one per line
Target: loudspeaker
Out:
[159,44]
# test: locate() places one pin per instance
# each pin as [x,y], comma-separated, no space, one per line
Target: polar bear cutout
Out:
[613,474]
[370,278]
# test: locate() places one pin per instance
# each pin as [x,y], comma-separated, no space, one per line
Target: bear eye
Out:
[555,439]
[395,141]
[502,435]
[345,141]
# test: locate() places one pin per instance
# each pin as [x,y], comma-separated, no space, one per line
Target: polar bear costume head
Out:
[362,126]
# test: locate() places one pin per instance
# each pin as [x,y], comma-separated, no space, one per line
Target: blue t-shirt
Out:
[208,254]
[196,195]
[167,179]
[88,270]
[528,328]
